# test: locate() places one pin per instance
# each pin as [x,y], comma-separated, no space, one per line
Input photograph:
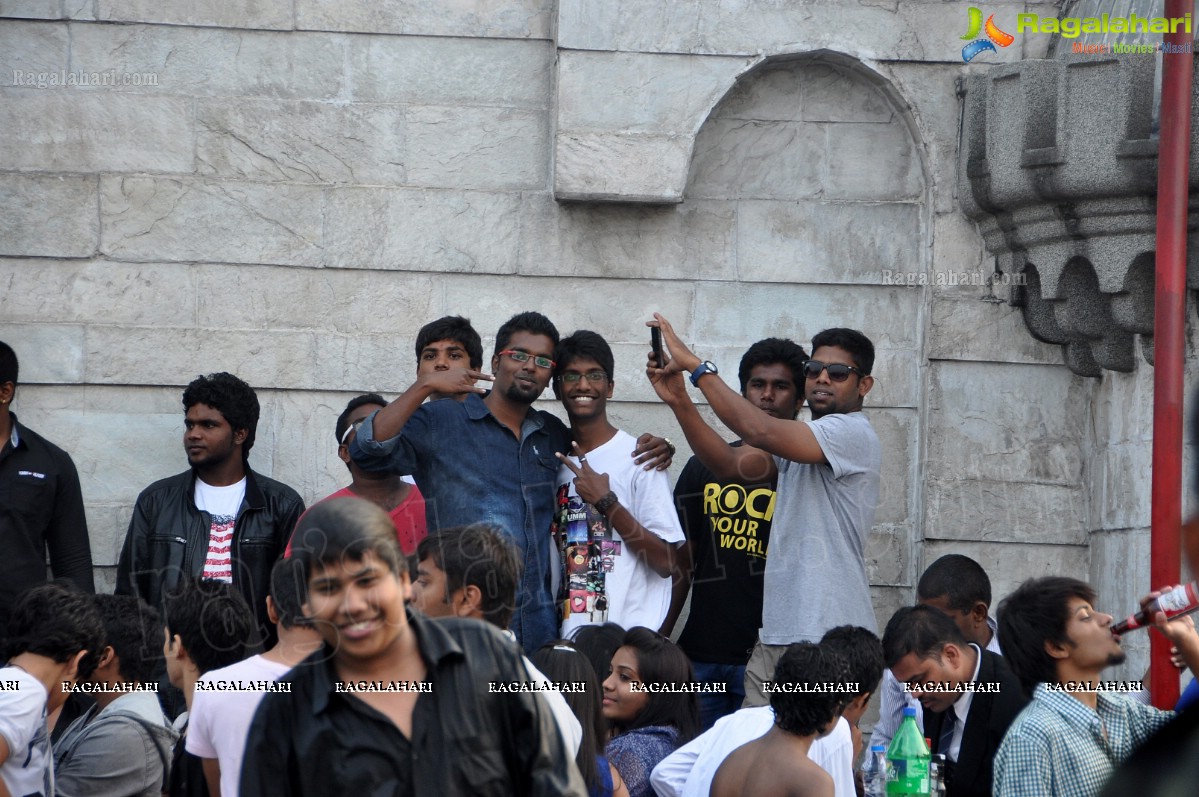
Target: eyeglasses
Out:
[591,376]
[351,428]
[524,357]
[837,372]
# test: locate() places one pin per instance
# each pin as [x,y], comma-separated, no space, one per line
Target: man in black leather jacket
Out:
[395,703]
[218,519]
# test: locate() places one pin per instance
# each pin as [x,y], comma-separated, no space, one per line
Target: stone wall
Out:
[289,189]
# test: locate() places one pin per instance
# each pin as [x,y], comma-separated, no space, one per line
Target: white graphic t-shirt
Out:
[222,504]
[601,579]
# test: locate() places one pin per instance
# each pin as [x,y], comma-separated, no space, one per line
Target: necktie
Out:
[948,724]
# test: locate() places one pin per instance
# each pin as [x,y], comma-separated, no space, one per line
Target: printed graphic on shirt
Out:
[588,556]
[219,564]
[737,514]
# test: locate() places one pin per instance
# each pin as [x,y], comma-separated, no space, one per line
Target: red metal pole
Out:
[1169,343]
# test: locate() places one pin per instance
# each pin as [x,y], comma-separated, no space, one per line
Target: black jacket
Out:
[168,536]
[988,720]
[467,740]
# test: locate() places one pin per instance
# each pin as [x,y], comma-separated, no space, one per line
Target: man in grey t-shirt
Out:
[828,478]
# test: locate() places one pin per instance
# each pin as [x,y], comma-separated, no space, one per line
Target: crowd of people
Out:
[487,606]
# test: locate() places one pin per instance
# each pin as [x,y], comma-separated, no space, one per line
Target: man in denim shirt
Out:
[488,459]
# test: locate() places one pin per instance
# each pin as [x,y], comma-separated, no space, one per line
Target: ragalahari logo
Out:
[994,34]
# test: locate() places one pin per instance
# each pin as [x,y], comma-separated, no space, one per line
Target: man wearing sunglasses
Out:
[828,479]
[486,459]
[617,530]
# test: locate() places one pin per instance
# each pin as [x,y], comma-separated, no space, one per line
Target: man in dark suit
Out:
[969,695]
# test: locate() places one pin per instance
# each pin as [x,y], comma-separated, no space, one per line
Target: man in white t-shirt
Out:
[55,636]
[217,520]
[616,530]
[225,699]
[828,481]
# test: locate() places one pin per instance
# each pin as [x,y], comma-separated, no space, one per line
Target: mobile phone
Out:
[655,341]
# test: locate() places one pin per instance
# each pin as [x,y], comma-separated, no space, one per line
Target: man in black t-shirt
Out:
[728,528]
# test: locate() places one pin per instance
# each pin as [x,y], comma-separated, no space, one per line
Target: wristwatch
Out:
[706,367]
[607,502]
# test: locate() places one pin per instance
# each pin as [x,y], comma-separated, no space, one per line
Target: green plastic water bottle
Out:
[909,757]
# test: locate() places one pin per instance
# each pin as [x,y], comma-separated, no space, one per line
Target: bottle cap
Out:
[909,711]
[877,748]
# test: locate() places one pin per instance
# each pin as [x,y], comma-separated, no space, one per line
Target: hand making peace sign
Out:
[590,486]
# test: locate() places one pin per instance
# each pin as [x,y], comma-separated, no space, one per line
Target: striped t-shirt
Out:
[222,504]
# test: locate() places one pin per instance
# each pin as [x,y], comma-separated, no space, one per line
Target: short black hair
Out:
[229,396]
[583,343]
[478,555]
[805,713]
[56,620]
[8,364]
[1036,613]
[769,352]
[660,661]
[455,328]
[343,420]
[598,643]
[863,654]
[289,591]
[923,630]
[854,342]
[346,528]
[212,620]
[527,321]
[134,632]
[959,578]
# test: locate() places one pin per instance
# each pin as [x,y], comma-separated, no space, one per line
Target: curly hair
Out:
[862,651]
[57,620]
[229,396]
[807,712]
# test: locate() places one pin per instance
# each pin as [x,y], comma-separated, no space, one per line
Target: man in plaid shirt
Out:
[1077,728]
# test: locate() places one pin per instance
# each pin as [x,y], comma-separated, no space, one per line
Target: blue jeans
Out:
[714,705]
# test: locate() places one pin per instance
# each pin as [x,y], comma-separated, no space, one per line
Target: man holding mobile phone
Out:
[828,480]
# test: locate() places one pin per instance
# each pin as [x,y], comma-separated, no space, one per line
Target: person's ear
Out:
[239,436]
[468,601]
[71,673]
[107,657]
[951,656]
[7,391]
[1057,650]
[272,611]
[864,385]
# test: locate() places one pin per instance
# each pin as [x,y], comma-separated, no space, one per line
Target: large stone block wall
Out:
[304,183]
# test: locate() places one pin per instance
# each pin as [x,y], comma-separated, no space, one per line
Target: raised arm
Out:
[743,463]
[784,438]
[456,381]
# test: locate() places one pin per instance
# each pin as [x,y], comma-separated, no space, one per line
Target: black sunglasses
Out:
[837,372]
